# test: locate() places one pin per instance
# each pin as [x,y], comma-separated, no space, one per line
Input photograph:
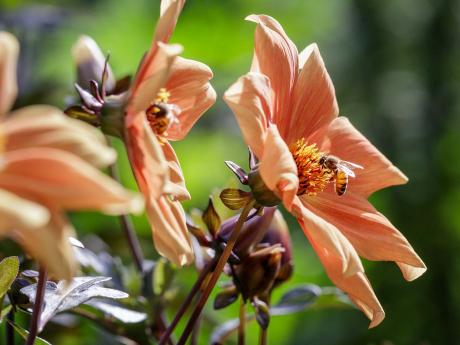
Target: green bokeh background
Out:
[397,77]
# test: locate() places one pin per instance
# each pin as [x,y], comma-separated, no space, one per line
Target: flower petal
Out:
[176,184]
[340,260]
[276,57]
[147,159]
[152,76]
[90,62]
[327,240]
[170,234]
[19,213]
[50,246]
[346,142]
[370,233]
[169,14]
[277,167]
[9,51]
[191,91]
[250,100]
[314,103]
[46,126]
[65,180]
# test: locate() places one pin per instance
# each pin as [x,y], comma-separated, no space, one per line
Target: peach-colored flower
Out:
[48,166]
[288,114]
[168,96]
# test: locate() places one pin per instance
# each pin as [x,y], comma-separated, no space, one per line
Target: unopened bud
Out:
[90,63]
[278,233]
[251,234]
[260,192]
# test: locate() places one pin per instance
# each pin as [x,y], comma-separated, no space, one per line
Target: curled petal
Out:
[176,184]
[90,63]
[50,246]
[346,142]
[170,234]
[147,158]
[276,57]
[370,233]
[313,97]
[169,14]
[9,51]
[65,180]
[152,76]
[191,91]
[46,126]
[19,213]
[250,100]
[277,167]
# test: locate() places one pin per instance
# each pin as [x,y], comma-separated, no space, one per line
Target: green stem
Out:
[9,328]
[217,272]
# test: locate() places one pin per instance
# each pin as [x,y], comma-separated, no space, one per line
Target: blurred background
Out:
[395,66]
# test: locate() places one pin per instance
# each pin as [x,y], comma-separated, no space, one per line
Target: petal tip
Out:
[377,318]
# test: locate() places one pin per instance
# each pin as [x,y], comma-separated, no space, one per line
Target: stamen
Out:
[313,176]
[161,115]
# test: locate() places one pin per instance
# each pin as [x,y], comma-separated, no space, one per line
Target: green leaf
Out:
[297,299]
[5,312]
[9,269]
[24,334]
[211,218]
[235,199]
[66,295]
[162,276]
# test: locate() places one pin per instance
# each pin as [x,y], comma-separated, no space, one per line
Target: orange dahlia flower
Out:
[288,114]
[168,96]
[48,166]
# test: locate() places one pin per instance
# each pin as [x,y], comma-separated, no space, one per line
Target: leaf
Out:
[162,276]
[238,171]
[211,218]
[5,312]
[262,313]
[70,295]
[118,312]
[297,299]
[24,334]
[225,297]
[235,199]
[9,269]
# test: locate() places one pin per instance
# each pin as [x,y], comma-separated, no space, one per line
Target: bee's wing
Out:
[350,165]
[346,170]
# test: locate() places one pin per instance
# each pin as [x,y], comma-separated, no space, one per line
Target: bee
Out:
[161,116]
[341,169]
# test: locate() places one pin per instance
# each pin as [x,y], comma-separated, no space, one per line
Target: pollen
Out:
[313,176]
[160,114]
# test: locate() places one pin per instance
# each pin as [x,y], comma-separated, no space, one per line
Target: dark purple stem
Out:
[38,304]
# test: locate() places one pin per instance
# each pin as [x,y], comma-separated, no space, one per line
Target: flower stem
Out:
[217,272]
[9,328]
[242,324]
[263,336]
[183,308]
[127,225]
[37,310]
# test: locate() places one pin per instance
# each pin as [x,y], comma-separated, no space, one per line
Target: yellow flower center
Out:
[161,114]
[313,176]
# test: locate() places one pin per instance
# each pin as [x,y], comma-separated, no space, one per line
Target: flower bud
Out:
[278,233]
[90,63]
[257,273]
[251,234]
[260,192]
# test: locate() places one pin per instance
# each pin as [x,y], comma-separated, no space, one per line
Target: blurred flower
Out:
[166,98]
[287,111]
[48,166]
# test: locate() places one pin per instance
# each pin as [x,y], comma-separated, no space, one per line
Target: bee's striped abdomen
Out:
[341,182]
